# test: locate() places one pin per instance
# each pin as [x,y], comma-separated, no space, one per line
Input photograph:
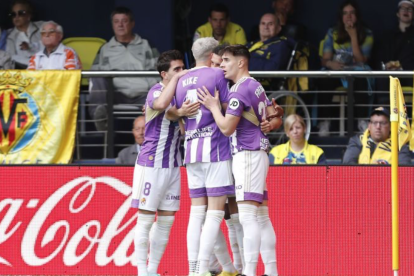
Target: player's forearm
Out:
[173,114]
[225,127]
[275,123]
[164,100]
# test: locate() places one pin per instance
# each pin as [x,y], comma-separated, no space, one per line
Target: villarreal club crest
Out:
[19,118]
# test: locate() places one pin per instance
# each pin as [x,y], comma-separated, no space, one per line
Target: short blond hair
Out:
[203,47]
[291,119]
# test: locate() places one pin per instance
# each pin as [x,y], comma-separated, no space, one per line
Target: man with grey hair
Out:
[55,55]
[125,51]
[208,161]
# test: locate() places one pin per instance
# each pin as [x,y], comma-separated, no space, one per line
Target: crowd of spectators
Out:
[349,45]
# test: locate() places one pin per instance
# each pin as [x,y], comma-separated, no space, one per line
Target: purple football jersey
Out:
[161,143]
[204,141]
[248,100]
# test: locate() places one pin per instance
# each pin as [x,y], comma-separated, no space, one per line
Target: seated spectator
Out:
[346,47]
[5,61]
[271,52]
[24,40]
[220,27]
[396,51]
[55,55]
[284,10]
[296,150]
[374,145]
[128,156]
[125,51]
[349,44]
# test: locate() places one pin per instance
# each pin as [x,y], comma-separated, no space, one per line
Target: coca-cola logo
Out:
[53,233]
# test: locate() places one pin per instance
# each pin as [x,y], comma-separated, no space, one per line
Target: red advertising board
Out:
[58,220]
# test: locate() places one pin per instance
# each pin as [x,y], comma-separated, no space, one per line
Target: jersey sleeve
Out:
[152,96]
[237,104]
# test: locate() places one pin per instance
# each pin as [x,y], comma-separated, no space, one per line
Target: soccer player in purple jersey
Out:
[156,184]
[208,161]
[231,216]
[245,120]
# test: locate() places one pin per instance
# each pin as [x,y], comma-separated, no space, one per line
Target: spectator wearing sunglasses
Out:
[55,55]
[24,40]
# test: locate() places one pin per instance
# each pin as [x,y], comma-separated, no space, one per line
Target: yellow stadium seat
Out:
[86,48]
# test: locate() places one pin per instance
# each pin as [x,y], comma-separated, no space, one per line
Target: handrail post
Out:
[110,108]
[350,113]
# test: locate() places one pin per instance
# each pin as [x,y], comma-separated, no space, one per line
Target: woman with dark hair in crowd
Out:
[347,46]
[349,43]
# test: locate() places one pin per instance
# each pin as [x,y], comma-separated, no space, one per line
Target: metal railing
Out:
[345,118]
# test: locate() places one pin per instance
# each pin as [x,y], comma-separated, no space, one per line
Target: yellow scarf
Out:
[381,155]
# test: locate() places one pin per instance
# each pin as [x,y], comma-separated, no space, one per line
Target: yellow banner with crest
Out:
[38,112]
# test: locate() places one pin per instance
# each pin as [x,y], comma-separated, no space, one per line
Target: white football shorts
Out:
[211,179]
[156,188]
[250,170]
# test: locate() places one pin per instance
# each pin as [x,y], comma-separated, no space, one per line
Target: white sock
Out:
[213,264]
[239,235]
[268,243]
[159,241]
[251,240]
[195,223]
[234,245]
[208,238]
[222,253]
[142,230]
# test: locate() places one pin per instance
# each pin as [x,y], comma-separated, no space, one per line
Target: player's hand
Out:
[265,126]
[189,109]
[205,98]
[181,73]
[278,111]
[143,109]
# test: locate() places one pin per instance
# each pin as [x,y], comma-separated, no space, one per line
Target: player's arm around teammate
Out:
[157,181]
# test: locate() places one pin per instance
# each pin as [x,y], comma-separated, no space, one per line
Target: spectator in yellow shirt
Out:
[220,27]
